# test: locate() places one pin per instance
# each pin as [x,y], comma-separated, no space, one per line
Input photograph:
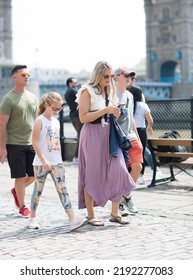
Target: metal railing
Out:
[171,114]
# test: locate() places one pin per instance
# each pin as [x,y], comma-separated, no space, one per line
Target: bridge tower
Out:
[5,46]
[169,40]
[5,32]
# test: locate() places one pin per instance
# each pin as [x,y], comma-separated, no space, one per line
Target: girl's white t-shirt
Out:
[49,141]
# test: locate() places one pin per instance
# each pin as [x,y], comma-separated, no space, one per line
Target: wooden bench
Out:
[181,166]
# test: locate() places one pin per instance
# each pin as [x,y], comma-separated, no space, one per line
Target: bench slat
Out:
[176,154]
[171,142]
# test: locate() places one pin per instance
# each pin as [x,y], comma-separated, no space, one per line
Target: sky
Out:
[76,34]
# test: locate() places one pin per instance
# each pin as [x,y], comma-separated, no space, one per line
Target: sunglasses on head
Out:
[108,76]
[25,75]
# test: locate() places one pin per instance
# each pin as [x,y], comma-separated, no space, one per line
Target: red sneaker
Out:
[24,211]
[15,197]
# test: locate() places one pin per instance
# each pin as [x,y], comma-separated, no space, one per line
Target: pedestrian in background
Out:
[17,113]
[70,97]
[101,177]
[142,115]
[147,154]
[48,159]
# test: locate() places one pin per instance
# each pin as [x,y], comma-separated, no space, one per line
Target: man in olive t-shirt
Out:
[17,113]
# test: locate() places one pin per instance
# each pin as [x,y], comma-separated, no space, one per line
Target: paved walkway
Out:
[162,230]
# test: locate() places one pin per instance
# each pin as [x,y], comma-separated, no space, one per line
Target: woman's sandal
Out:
[118,219]
[93,221]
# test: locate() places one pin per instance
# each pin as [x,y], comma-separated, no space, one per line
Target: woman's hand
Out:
[114,110]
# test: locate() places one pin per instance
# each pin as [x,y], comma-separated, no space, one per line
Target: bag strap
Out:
[106,97]
[126,105]
[175,134]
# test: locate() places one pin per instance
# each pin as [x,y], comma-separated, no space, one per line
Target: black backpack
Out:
[172,134]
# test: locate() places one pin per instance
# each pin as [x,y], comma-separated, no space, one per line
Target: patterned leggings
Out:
[58,175]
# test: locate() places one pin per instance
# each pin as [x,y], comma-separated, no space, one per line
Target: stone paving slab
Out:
[162,230]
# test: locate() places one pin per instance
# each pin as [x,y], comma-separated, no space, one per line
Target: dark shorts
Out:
[20,158]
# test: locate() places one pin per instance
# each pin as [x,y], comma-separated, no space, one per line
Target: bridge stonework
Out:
[169,43]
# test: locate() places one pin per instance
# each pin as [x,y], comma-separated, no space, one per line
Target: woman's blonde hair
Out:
[96,76]
[48,98]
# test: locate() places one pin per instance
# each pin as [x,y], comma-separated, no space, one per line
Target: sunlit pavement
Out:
[161,230]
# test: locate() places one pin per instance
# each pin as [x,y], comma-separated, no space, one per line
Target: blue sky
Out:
[75,34]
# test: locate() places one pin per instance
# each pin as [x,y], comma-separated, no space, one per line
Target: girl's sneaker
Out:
[77,223]
[32,223]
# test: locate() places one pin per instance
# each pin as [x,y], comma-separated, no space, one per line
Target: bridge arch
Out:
[170,72]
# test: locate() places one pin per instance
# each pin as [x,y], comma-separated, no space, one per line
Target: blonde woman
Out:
[102,177]
[48,160]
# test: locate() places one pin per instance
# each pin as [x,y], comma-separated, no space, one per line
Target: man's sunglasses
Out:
[125,75]
[25,75]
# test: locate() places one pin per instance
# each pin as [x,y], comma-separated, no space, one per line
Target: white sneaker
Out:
[130,205]
[141,181]
[32,223]
[75,161]
[77,223]
[122,210]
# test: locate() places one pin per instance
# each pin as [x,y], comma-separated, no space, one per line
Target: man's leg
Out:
[135,166]
[135,170]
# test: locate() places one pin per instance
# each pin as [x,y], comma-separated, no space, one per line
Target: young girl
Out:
[48,159]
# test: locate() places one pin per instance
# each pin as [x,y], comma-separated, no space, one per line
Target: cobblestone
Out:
[161,230]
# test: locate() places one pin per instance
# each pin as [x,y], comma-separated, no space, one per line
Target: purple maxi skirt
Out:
[105,177]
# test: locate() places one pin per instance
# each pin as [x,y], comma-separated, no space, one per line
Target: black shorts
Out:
[20,159]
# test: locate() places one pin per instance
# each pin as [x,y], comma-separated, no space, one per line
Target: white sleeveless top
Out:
[97,101]
[49,141]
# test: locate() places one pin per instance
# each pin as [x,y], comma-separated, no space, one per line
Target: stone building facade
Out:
[169,40]
[5,46]
[5,32]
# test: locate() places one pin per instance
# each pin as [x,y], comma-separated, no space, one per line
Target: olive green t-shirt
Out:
[21,109]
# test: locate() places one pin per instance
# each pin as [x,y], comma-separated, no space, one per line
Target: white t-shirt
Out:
[127,124]
[139,116]
[49,141]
